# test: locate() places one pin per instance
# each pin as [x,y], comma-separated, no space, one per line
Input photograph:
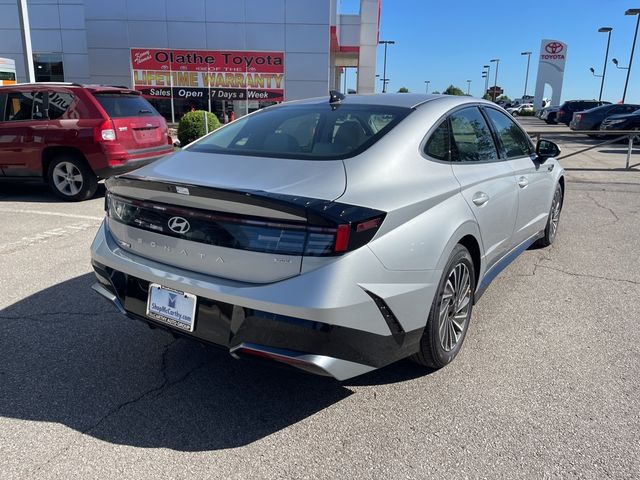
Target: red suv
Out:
[71,135]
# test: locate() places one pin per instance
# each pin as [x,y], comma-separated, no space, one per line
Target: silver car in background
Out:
[336,235]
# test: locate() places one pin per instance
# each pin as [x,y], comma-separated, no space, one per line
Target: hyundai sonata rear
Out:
[313,234]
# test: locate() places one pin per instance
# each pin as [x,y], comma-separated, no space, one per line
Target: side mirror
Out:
[546,149]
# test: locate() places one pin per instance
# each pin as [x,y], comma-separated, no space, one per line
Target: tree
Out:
[486,96]
[503,98]
[403,90]
[452,90]
[435,92]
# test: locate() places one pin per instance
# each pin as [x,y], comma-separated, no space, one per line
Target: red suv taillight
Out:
[106,132]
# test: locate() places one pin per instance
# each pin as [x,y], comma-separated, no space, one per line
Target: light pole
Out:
[468,86]
[426,89]
[606,57]
[495,85]
[384,68]
[486,79]
[631,11]
[526,77]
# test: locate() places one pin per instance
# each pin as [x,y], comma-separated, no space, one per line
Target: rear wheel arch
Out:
[472,245]
[467,235]
[50,153]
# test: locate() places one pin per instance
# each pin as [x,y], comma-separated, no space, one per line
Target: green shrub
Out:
[191,126]
[526,113]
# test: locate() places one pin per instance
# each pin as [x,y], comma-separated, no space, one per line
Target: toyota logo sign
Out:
[179,224]
[554,47]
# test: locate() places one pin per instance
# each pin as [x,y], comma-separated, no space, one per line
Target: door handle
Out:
[480,198]
[523,182]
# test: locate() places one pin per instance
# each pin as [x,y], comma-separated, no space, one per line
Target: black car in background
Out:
[568,108]
[592,118]
[629,121]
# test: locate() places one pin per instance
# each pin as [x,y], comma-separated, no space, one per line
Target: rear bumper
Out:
[114,159]
[127,166]
[291,321]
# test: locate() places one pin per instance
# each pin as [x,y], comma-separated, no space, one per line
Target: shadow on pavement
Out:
[34,192]
[66,358]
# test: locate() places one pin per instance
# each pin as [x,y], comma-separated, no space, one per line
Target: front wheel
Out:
[448,319]
[553,220]
[70,179]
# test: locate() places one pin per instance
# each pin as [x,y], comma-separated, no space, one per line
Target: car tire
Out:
[553,220]
[69,178]
[450,312]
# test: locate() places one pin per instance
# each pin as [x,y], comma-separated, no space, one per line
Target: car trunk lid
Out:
[249,219]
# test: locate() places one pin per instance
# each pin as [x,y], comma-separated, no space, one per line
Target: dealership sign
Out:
[220,75]
[553,55]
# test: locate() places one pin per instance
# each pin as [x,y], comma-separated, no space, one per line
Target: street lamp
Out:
[606,57]
[468,86]
[495,85]
[526,77]
[631,11]
[384,79]
[427,82]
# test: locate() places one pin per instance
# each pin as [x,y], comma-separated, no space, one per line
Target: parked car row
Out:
[615,117]
[589,115]
[70,136]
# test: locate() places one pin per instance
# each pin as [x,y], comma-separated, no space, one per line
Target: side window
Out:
[438,144]
[19,106]
[472,139]
[59,103]
[514,141]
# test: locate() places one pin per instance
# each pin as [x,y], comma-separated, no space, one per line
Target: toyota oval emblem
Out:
[554,47]
[179,224]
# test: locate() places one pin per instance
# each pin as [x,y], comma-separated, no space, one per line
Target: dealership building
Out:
[206,54]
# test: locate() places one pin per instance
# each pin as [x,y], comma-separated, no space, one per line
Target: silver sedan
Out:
[335,235]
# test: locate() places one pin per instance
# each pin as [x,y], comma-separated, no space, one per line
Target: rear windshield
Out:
[119,105]
[306,132]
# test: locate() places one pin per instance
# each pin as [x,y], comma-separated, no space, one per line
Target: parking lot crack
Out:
[151,393]
[586,275]
[599,205]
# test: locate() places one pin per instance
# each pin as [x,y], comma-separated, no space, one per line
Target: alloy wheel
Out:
[555,213]
[67,178]
[455,306]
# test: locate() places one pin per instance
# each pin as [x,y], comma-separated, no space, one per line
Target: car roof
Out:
[406,100]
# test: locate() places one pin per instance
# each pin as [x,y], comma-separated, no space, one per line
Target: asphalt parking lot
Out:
[546,385]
